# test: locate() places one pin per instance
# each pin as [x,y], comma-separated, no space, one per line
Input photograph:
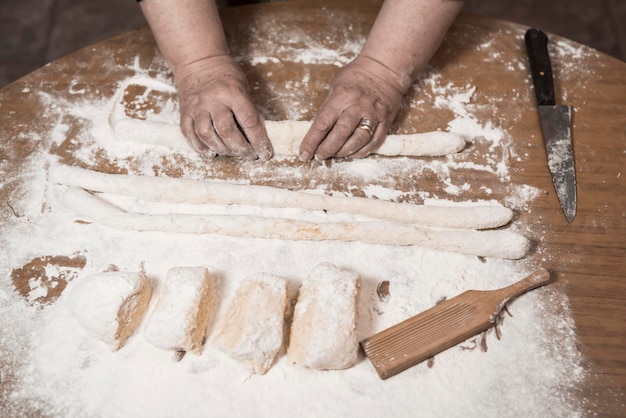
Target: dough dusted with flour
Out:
[498,243]
[286,136]
[109,306]
[172,190]
[251,331]
[323,330]
[162,129]
[182,310]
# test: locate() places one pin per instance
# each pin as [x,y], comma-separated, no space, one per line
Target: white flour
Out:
[68,373]
[534,369]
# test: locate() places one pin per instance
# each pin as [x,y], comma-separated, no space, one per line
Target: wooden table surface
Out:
[587,256]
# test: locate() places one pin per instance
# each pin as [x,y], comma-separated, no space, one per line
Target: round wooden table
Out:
[587,256]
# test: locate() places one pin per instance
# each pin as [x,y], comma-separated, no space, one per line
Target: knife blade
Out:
[555,123]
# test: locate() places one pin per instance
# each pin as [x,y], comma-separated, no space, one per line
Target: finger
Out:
[361,136]
[187,128]
[337,137]
[254,130]
[228,130]
[322,124]
[379,136]
[205,131]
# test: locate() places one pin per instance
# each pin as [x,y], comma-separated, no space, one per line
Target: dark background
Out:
[36,32]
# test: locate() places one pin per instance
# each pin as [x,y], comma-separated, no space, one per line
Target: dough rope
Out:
[497,243]
[284,135]
[170,190]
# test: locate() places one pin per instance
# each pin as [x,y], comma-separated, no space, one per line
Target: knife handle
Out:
[540,68]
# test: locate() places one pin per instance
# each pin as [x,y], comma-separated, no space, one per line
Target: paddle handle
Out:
[538,278]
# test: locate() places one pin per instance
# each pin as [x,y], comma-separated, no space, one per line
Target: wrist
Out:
[399,79]
[221,63]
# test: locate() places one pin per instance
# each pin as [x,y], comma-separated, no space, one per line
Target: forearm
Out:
[186,31]
[406,35]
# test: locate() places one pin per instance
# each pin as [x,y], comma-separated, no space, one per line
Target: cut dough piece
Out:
[251,331]
[171,190]
[497,243]
[182,310]
[286,136]
[109,306]
[323,331]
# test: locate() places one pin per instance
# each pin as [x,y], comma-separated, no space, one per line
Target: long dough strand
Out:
[170,190]
[287,135]
[498,243]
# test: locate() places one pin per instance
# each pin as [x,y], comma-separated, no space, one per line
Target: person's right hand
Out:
[217,115]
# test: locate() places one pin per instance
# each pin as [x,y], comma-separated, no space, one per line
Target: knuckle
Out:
[250,121]
[204,131]
[225,128]
[323,122]
[343,130]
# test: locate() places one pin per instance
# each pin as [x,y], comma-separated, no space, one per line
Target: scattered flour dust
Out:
[50,367]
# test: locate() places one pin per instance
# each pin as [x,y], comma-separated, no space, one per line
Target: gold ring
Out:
[367,125]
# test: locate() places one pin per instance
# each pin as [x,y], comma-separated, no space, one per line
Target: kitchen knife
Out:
[555,123]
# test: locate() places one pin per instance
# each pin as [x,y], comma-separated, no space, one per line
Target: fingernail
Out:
[265,155]
[305,156]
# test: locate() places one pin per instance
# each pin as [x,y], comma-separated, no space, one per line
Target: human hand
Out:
[353,121]
[217,116]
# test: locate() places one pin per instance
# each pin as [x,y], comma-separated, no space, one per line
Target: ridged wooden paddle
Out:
[442,326]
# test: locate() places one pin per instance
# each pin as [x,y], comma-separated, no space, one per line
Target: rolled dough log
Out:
[496,243]
[181,313]
[170,190]
[287,135]
[251,331]
[109,306]
[323,330]
[161,129]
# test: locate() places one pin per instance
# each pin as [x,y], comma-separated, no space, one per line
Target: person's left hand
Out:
[353,121]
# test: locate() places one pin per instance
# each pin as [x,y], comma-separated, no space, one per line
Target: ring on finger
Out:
[367,125]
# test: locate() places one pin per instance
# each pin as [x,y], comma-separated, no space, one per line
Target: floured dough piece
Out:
[323,331]
[110,305]
[182,310]
[251,331]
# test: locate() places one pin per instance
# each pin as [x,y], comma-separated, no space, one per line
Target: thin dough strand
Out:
[286,136]
[170,190]
[498,243]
